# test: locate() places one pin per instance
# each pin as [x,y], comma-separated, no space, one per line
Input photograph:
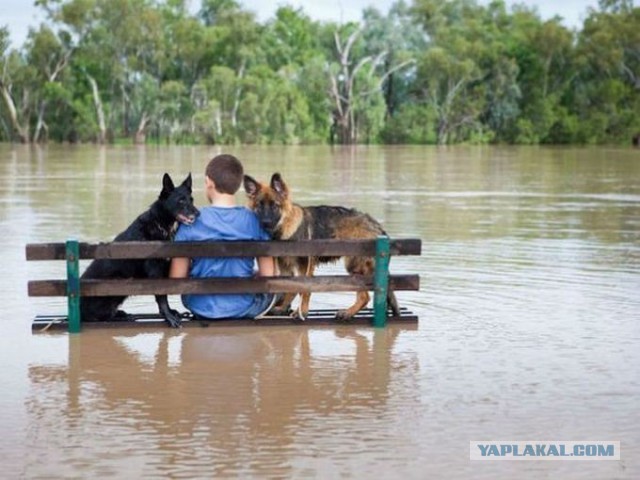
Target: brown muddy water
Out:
[529,324]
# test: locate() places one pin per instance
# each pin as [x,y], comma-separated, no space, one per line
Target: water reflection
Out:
[212,402]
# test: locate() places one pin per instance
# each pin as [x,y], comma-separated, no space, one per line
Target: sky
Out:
[19,15]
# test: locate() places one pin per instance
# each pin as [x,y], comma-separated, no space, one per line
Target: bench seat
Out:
[317,317]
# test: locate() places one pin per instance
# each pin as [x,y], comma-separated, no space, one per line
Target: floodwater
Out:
[529,324]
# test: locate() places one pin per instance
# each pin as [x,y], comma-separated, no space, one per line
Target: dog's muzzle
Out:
[269,222]
[187,219]
[269,226]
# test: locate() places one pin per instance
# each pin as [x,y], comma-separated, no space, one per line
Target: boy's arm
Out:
[179,267]
[266,267]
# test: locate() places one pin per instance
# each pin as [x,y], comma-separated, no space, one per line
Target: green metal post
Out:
[381,281]
[73,285]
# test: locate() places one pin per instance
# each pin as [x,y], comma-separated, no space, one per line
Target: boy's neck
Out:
[222,200]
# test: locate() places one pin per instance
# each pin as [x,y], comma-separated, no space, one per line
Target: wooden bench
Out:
[74,288]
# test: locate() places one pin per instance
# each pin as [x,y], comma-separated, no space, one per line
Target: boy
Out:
[223,220]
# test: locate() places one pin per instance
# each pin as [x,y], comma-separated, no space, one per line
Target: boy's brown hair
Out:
[226,172]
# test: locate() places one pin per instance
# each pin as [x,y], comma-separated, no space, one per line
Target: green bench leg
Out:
[73,285]
[381,281]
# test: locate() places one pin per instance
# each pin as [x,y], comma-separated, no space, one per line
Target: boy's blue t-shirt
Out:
[221,223]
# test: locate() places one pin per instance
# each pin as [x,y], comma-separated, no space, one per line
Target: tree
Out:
[16,87]
[352,82]
[290,39]
[49,54]
[79,22]
[397,34]
[447,89]
[236,41]
[544,55]
[607,100]
[449,73]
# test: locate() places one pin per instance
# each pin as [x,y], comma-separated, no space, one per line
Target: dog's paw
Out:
[298,315]
[173,320]
[343,316]
[280,311]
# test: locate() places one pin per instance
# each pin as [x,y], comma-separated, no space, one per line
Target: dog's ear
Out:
[279,186]
[251,186]
[188,182]
[167,186]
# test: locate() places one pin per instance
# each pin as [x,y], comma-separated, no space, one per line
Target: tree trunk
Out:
[125,114]
[236,103]
[102,126]
[21,130]
[218,123]
[140,135]
[40,123]
[443,131]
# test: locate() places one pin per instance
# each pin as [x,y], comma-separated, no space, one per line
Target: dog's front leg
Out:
[283,305]
[303,309]
[362,298]
[172,317]
[155,268]
[285,268]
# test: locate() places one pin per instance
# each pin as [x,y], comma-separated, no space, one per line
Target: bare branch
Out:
[347,49]
[377,61]
[357,68]
[632,76]
[61,64]
[396,68]
[338,46]
[336,94]
[384,77]
[453,91]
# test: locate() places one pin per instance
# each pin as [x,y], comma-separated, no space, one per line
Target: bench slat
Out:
[316,318]
[119,250]
[165,286]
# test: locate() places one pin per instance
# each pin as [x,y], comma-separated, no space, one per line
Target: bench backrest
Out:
[73,288]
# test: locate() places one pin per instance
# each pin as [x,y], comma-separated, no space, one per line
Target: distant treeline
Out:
[435,71]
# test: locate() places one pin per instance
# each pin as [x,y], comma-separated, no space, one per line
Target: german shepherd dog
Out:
[286,220]
[157,223]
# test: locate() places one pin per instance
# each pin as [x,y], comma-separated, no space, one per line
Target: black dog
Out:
[158,223]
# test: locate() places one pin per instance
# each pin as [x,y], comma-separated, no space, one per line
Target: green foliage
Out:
[435,71]
[412,124]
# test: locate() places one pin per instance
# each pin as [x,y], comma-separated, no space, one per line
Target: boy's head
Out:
[226,173]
